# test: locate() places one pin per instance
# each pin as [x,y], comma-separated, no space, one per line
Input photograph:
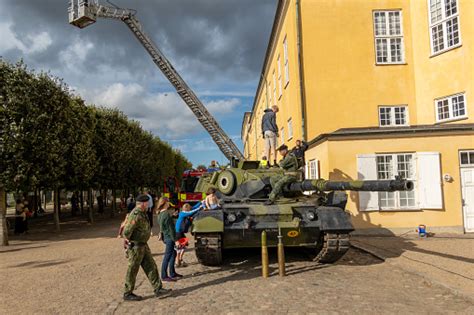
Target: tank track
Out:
[208,248]
[333,247]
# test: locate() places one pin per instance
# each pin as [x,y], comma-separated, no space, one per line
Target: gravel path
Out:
[81,270]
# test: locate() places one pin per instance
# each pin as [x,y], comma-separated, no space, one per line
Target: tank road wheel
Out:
[208,248]
[332,247]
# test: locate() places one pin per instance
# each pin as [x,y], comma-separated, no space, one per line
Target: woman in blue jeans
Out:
[168,232]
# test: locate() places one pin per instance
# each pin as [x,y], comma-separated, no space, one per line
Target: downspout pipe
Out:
[299,31]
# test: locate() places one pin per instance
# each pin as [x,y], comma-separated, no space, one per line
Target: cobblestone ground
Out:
[81,271]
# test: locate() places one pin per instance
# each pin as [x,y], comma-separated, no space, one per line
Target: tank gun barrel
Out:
[355,185]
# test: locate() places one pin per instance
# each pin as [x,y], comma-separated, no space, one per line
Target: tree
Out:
[51,140]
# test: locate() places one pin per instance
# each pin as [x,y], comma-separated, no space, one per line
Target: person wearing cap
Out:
[289,163]
[137,232]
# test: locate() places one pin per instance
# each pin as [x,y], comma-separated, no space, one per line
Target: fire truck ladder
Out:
[83,13]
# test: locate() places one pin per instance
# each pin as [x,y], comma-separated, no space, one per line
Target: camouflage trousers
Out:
[141,256]
[278,182]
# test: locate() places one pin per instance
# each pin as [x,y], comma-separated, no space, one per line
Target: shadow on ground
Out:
[245,264]
[72,227]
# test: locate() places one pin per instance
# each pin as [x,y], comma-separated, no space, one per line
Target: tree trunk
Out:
[81,200]
[104,196]
[114,203]
[3,218]
[91,207]
[35,203]
[57,205]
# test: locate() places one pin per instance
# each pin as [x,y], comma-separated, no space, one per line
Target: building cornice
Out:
[395,132]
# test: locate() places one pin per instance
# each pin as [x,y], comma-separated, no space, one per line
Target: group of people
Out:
[136,231]
[292,160]
[136,228]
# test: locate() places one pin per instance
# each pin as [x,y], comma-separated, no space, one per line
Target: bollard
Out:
[281,255]
[264,255]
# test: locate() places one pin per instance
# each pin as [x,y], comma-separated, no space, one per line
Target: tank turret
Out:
[247,181]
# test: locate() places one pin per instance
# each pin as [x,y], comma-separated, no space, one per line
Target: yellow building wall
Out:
[344,86]
[289,103]
[445,74]
[341,164]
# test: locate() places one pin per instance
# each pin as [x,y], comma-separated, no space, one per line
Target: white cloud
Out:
[165,114]
[30,44]
[39,42]
[224,106]
[74,54]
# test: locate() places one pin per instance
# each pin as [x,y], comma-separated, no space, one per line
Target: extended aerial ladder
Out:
[83,13]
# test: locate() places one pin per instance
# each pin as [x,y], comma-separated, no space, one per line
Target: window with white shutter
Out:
[367,170]
[429,180]
[290,129]
[452,107]
[423,168]
[388,30]
[274,87]
[279,77]
[390,166]
[311,171]
[444,25]
[285,60]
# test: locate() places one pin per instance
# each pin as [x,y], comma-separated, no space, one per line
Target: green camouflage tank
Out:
[317,221]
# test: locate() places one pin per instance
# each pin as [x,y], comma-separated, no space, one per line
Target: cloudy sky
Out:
[217,46]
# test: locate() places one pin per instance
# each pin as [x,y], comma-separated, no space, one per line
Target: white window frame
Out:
[313,169]
[443,23]
[396,194]
[388,37]
[290,129]
[450,108]
[282,135]
[285,59]
[280,88]
[274,87]
[269,87]
[470,158]
[392,115]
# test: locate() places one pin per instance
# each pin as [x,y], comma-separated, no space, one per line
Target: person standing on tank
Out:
[137,232]
[289,164]
[270,133]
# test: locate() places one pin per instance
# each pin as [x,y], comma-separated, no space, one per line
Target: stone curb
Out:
[457,292]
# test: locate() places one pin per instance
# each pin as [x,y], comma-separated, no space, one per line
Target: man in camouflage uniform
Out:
[289,163]
[137,231]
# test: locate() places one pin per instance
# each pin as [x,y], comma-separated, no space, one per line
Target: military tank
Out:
[317,221]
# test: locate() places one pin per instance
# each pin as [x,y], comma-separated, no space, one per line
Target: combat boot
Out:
[131,297]
[162,292]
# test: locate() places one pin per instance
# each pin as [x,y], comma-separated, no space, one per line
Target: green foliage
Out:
[50,139]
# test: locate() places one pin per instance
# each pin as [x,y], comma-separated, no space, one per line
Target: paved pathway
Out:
[445,259]
[81,271]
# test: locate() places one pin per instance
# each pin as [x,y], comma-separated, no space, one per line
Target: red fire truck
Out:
[184,193]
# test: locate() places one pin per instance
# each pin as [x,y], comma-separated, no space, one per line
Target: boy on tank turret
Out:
[289,163]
